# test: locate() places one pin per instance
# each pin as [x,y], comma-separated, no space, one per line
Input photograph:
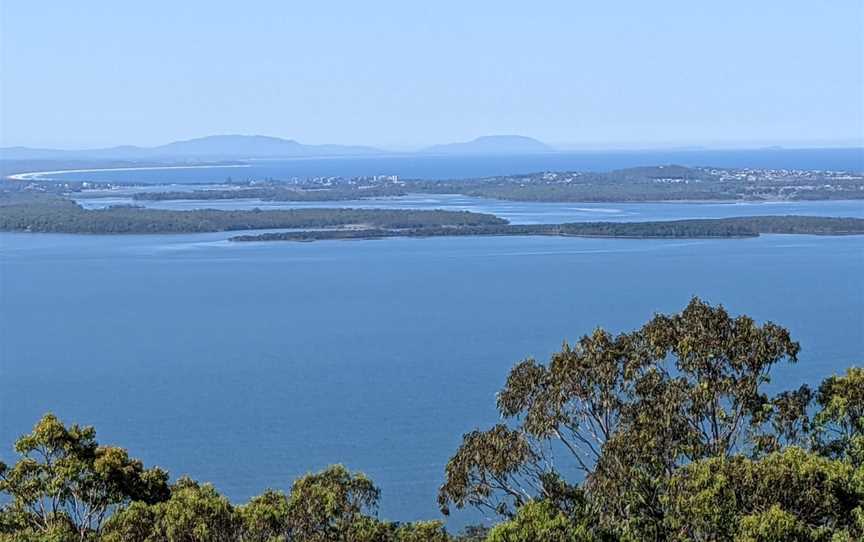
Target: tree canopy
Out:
[663,433]
[631,417]
[65,482]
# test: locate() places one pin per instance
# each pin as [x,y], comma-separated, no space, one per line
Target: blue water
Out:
[250,364]
[449,167]
[527,213]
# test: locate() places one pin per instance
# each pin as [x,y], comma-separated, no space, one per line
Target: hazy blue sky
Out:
[401,73]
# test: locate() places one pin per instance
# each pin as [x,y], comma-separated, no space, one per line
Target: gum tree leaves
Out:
[66,482]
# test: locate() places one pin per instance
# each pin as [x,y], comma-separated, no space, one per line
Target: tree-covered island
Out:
[748,226]
[666,433]
[46,213]
[50,213]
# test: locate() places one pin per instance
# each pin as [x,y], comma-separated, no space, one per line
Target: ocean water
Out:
[248,365]
[450,167]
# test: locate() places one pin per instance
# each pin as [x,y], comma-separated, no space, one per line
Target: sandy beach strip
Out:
[40,175]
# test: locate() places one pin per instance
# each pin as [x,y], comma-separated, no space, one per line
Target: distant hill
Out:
[494,144]
[202,148]
[238,147]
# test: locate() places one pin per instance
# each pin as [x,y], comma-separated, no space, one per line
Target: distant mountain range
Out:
[495,144]
[202,148]
[237,147]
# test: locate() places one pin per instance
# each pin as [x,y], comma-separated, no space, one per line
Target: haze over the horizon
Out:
[400,74]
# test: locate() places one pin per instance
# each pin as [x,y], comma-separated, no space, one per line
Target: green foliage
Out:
[489,463]
[334,505]
[473,533]
[134,523]
[66,481]
[421,531]
[194,512]
[716,498]
[266,517]
[773,525]
[658,420]
[780,421]
[627,410]
[329,505]
[840,422]
[721,363]
[540,520]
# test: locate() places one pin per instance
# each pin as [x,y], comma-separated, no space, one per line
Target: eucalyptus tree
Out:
[792,494]
[65,482]
[626,411]
[839,424]
[333,505]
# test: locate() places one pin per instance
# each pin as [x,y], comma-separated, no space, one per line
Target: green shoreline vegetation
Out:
[663,433]
[723,228]
[49,213]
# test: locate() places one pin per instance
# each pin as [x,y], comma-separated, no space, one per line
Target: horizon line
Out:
[555,147]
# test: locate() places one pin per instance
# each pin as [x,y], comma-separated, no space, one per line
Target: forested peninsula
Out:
[51,214]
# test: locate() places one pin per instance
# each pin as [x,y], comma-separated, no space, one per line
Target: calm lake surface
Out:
[250,364]
[525,213]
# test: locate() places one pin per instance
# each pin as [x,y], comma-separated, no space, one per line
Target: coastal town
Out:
[652,183]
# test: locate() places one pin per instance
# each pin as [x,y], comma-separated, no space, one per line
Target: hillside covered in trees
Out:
[663,433]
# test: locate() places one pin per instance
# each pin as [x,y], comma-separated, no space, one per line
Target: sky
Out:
[400,74]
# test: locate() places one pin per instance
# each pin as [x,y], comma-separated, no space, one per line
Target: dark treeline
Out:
[672,229]
[809,225]
[49,214]
[663,433]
